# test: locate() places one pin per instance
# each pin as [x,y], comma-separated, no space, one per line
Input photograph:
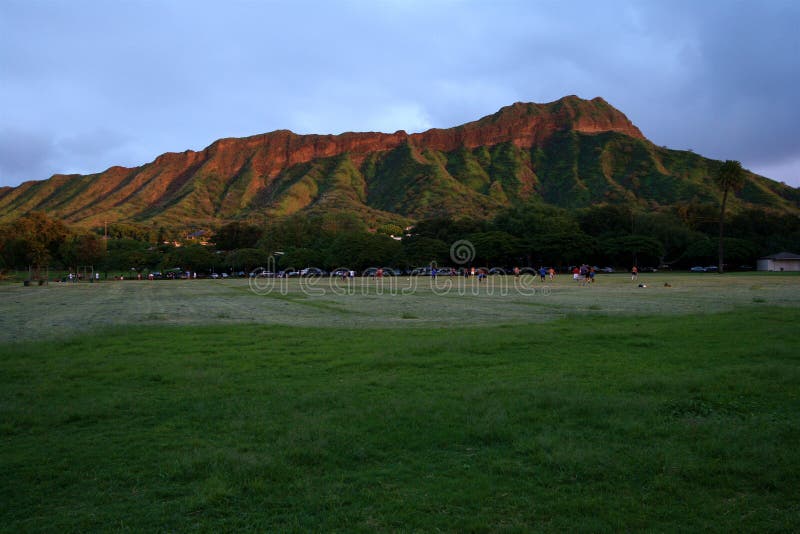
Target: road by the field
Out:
[61,309]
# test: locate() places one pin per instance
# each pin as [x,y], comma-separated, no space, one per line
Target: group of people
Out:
[584,274]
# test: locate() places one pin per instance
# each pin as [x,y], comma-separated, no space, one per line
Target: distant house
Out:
[783,261]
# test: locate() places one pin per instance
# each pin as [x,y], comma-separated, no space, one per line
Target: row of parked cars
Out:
[714,268]
[391,271]
[373,271]
[314,271]
[441,271]
[701,269]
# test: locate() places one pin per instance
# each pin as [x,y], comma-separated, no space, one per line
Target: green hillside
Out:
[571,153]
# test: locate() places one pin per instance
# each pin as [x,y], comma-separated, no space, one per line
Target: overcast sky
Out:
[85,85]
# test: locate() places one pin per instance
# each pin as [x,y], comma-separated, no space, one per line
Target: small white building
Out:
[783,261]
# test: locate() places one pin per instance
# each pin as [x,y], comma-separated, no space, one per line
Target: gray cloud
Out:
[24,153]
[88,84]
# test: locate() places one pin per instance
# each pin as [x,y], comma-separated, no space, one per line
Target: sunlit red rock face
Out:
[527,125]
[451,171]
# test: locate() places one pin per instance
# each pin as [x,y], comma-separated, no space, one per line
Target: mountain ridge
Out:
[570,152]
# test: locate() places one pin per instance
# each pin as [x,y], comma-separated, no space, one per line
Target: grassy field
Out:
[202,405]
[62,309]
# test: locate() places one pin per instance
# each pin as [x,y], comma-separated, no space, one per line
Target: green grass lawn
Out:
[583,422]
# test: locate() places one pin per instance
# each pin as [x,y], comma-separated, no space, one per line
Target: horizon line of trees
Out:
[531,235]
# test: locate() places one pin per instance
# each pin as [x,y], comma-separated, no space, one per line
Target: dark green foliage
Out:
[390,229]
[447,229]
[83,249]
[236,235]
[246,259]
[526,234]
[497,248]
[297,258]
[420,251]
[467,168]
[32,240]
[669,231]
[730,177]
[633,249]
[119,230]
[614,219]
[417,183]
[360,251]
[192,258]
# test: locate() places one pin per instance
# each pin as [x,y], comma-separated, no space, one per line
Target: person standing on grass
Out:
[552,273]
[542,273]
[584,274]
[634,273]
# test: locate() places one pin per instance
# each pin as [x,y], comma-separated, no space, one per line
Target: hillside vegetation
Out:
[570,153]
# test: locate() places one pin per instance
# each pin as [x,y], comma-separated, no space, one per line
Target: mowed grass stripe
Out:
[587,423]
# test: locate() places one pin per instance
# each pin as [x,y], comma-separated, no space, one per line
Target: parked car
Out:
[606,270]
[697,269]
[711,269]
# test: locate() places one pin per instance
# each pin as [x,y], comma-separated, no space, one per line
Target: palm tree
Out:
[730,177]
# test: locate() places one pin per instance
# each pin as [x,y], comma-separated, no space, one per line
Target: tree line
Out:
[533,235]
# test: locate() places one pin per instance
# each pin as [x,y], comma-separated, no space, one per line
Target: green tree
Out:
[419,251]
[634,249]
[34,239]
[237,235]
[496,248]
[120,230]
[191,258]
[247,259]
[379,251]
[729,177]
[337,222]
[125,253]
[667,228]
[299,258]
[390,229]
[606,219]
[84,249]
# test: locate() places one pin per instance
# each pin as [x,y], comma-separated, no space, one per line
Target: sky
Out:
[85,85]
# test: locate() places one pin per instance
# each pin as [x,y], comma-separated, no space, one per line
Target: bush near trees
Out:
[530,235]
